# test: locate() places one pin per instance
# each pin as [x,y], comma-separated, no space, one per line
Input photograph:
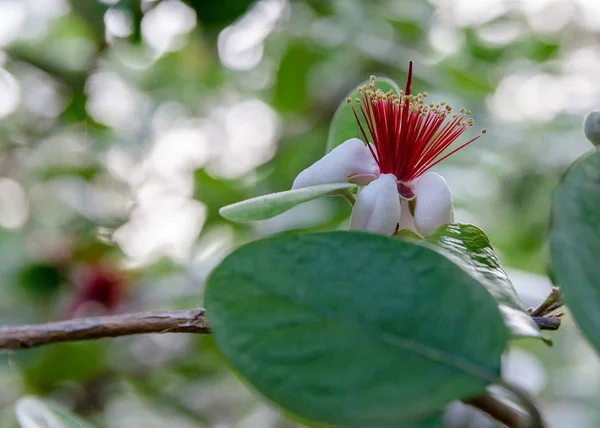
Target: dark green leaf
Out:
[354,329]
[469,247]
[40,279]
[343,125]
[216,14]
[575,242]
[268,206]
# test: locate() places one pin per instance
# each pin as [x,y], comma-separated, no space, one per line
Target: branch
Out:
[552,303]
[498,410]
[508,414]
[191,321]
[31,336]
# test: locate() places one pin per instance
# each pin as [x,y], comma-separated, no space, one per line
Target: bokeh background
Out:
[126,124]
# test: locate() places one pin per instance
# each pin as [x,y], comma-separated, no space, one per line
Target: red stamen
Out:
[409,137]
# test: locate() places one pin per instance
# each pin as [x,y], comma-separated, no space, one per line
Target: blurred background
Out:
[126,124]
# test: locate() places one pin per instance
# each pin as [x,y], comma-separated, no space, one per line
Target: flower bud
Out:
[591,127]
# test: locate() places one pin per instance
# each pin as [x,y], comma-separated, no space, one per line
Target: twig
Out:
[509,415]
[498,409]
[30,336]
[552,303]
[194,321]
[535,419]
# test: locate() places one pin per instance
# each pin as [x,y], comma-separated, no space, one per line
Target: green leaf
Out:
[575,242]
[43,369]
[291,93]
[354,329]
[343,125]
[268,206]
[469,247]
[35,413]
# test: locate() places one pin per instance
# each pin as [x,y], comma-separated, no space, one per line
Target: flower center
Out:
[406,191]
[409,135]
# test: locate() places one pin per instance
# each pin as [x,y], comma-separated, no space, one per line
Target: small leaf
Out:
[575,242]
[354,329]
[35,413]
[469,247]
[343,125]
[268,206]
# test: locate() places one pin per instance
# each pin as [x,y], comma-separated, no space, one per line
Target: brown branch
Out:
[499,410]
[552,303]
[30,336]
[528,417]
[190,321]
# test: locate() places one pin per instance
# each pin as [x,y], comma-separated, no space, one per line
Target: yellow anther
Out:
[467,111]
[372,77]
[349,100]
[443,103]
[357,100]
[462,110]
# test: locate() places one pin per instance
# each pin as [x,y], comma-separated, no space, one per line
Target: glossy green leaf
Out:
[469,247]
[354,329]
[268,206]
[343,125]
[575,243]
[35,413]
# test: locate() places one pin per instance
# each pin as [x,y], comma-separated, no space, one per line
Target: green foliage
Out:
[575,242]
[44,369]
[268,206]
[215,14]
[291,93]
[40,279]
[354,329]
[343,125]
[469,247]
[35,413]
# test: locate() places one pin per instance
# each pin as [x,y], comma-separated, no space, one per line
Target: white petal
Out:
[434,203]
[377,208]
[351,158]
